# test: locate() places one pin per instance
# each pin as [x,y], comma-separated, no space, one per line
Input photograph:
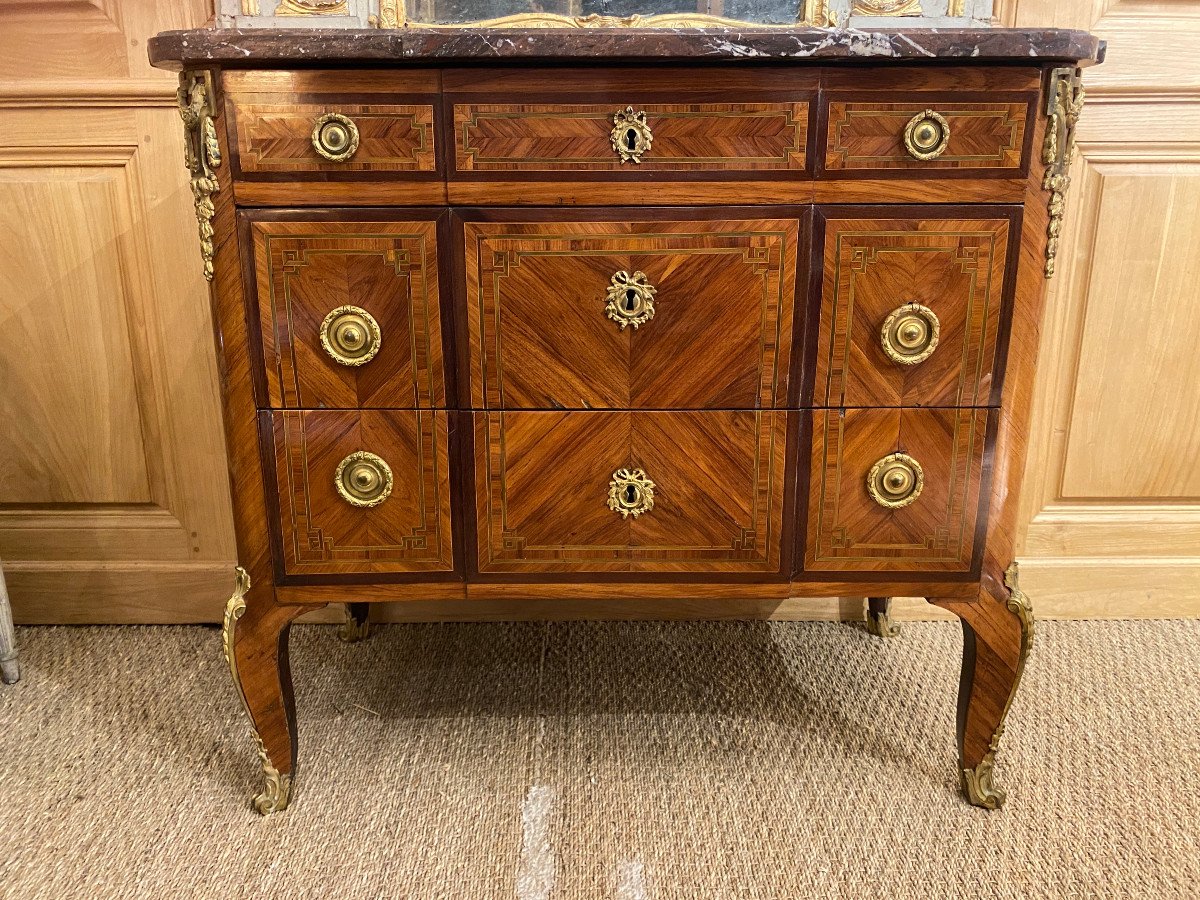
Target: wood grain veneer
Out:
[303,270]
[954,261]
[321,533]
[756,399]
[538,336]
[542,483]
[848,531]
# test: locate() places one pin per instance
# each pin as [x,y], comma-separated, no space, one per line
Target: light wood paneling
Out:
[65,339]
[1112,498]
[1137,342]
[114,500]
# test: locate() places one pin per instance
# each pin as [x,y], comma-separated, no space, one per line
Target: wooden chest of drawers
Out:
[567,326]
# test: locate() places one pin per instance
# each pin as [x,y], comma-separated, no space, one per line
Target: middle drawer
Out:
[626,310]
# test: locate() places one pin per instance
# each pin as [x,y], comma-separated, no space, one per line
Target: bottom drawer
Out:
[362,491]
[636,492]
[895,490]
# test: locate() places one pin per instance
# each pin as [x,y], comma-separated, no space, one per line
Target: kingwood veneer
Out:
[578,327]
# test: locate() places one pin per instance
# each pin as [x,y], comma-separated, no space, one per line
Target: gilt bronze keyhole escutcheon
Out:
[630,299]
[630,493]
[631,136]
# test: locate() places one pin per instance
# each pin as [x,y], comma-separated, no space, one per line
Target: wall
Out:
[1112,497]
[113,497]
[113,494]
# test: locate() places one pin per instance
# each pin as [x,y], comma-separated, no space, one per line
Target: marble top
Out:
[263,47]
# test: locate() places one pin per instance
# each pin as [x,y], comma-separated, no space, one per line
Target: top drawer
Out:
[911,124]
[332,125]
[643,123]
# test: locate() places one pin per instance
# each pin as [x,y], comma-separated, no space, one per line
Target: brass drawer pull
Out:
[910,334]
[630,493]
[630,299]
[631,135]
[335,137]
[926,136]
[895,481]
[363,479]
[351,336]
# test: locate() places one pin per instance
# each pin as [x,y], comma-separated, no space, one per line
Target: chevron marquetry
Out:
[539,336]
[953,266]
[542,484]
[869,135]
[541,137]
[322,533]
[306,269]
[848,531]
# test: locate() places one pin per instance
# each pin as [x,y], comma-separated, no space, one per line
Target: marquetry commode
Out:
[617,313]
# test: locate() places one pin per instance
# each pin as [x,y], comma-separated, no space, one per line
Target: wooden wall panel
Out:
[1112,495]
[114,500]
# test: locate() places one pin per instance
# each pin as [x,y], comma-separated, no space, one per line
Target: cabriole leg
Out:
[997,634]
[879,617]
[256,648]
[357,626]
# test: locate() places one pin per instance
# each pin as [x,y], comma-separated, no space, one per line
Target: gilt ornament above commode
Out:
[608,314]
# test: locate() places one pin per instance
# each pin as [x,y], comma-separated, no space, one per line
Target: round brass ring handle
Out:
[630,493]
[895,481]
[335,137]
[910,334]
[631,135]
[351,336]
[363,479]
[927,136]
[630,299]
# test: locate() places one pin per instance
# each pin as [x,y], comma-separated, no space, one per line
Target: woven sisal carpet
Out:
[621,761]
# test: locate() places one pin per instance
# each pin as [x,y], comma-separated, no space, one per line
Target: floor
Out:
[580,760]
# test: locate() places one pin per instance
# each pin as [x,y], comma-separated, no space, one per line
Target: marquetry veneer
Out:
[693,327]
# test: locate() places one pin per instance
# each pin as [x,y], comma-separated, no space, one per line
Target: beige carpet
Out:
[619,761]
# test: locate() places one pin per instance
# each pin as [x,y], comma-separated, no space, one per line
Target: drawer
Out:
[618,311]
[895,490]
[932,133]
[323,125]
[632,492]
[659,124]
[362,492]
[911,306]
[349,312]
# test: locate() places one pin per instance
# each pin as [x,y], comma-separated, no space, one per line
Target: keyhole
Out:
[630,495]
[631,298]
[631,139]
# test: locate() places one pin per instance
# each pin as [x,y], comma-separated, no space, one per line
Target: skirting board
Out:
[45,593]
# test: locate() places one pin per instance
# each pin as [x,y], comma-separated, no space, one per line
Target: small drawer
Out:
[517,139]
[631,492]
[322,124]
[349,312]
[895,490]
[934,133]
[362,492]
[616,124]
[622,312]
[910,307]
